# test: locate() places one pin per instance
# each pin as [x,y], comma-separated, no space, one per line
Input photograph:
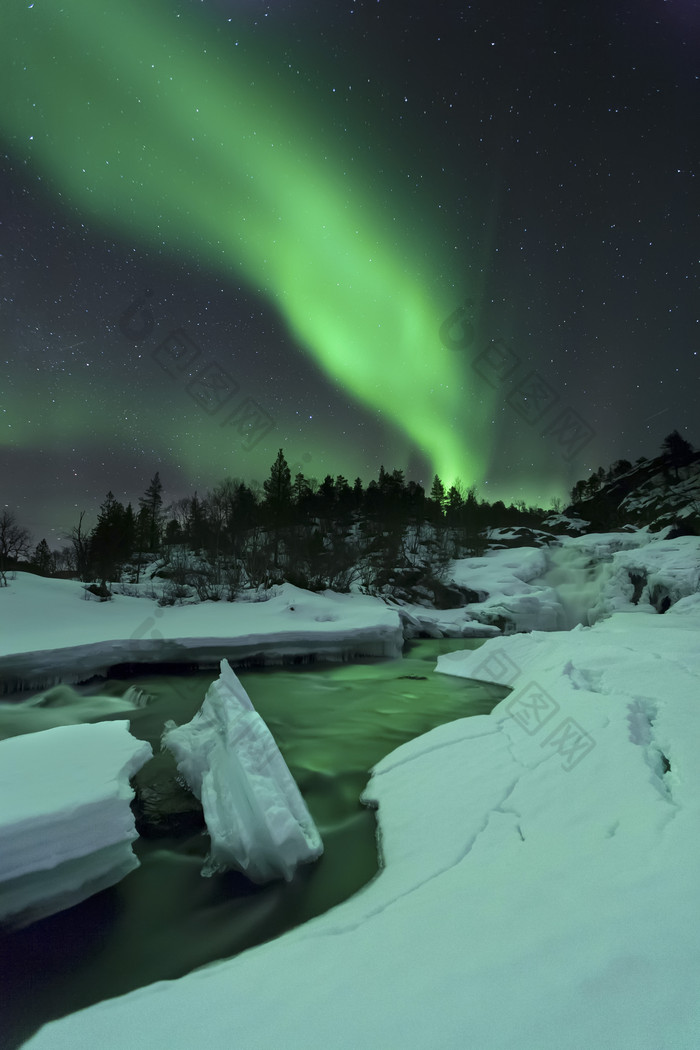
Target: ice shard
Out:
[257,819]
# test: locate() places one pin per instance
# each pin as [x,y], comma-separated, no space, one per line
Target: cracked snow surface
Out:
[540,874]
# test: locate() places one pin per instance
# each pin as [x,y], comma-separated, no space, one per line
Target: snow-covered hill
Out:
[651,493]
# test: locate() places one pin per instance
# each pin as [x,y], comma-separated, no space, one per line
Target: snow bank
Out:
[418,621]
[257,820]
[65,823]
[666,570]
[509,582]
[539,887]
[51,633]
[523,589]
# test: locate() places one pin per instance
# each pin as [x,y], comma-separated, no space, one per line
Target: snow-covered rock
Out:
[581,579]
[257,820]
[65,823]
[513,596]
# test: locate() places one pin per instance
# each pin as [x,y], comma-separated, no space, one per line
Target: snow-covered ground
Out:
[51,633]
[65,824]
[539,880]
[540,865]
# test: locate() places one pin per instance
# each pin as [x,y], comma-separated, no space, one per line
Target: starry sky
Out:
[439,237]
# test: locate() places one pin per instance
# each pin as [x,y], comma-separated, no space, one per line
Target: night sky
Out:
[440,237]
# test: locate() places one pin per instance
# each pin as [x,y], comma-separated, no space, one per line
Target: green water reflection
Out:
[332,724]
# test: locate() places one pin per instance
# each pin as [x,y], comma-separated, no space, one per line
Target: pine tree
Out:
[278,487]
[300,489]
[343,496]
[454,501]
[397,484]
[245,507]
[108,541]
[278,497]
[578,492]
[150,505]
[326,493]
[415,500]
[620,466]
[42,559]
[358,493]
[437,494]
[676,451]
[129,527]
[196,524]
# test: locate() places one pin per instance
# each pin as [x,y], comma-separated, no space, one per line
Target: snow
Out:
[524,589]
[654,496]
[65,823]
[581,579]
[418,621]
[540,864]
[82,638]
[255,815]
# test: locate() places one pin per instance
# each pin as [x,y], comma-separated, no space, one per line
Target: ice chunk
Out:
[65,823]
[257,820]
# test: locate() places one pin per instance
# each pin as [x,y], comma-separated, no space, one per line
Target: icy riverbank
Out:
[537,888]
[52,634]
[540,865]
[65,824]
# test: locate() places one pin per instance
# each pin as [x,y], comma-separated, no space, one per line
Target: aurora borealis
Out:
[308,195]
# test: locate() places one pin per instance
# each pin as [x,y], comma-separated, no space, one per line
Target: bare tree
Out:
[80,541]
[14,543]
[65,560]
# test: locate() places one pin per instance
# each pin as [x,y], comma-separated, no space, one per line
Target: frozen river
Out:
[332,724]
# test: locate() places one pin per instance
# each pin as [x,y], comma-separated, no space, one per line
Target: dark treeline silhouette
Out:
[598,496]
[14,543]
[386,536]
[675,452]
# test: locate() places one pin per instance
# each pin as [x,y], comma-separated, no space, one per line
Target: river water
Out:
[332,723]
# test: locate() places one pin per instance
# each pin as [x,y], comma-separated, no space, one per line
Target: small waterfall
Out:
[578,581]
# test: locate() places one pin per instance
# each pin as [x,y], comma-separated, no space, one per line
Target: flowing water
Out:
[578,580]
[332,723]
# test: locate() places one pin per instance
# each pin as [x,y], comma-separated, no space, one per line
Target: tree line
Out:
[676,453]
[386,533]
[318,535]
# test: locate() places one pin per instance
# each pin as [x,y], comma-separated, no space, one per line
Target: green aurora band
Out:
[141,123]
